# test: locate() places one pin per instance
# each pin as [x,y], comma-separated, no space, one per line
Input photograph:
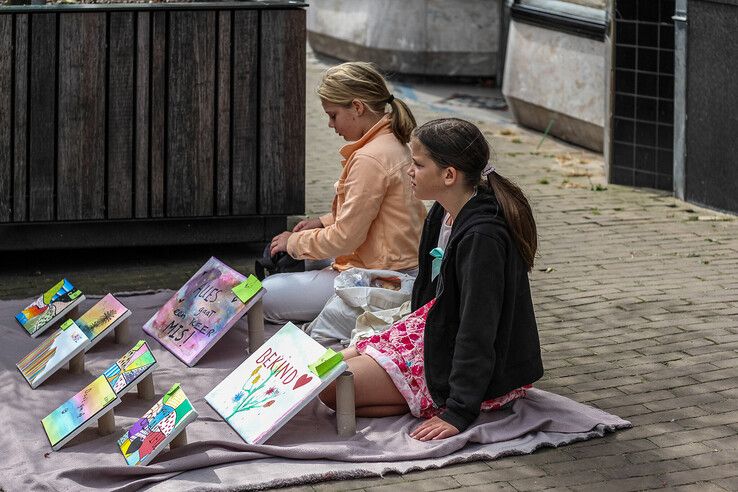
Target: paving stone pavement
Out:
[636,295]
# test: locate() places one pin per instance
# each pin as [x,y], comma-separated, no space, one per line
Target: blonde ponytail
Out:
[361,81]
[403,121]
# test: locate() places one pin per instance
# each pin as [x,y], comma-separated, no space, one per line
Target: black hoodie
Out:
[481,339]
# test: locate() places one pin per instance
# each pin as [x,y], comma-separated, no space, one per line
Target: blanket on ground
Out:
[305,450]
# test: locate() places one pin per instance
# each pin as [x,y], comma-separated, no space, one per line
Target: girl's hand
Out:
[306,224]
[434,429]
[279,243]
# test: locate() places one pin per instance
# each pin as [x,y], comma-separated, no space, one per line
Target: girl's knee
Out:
[350,353]
[270,301]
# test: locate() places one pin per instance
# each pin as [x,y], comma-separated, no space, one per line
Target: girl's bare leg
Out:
[376,394]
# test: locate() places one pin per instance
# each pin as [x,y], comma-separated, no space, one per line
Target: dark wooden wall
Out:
[108,115]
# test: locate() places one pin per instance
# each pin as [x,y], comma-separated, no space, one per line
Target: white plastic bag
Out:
[372,322]
[359,291]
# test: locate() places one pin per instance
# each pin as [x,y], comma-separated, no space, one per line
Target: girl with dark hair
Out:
[471,343]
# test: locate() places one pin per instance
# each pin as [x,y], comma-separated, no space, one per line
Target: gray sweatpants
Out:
[299,296]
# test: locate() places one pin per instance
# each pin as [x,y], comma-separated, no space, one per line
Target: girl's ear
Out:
[358,106]
[450,174]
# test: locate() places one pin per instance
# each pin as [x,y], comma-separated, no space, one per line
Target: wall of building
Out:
[429,37]
[555,79]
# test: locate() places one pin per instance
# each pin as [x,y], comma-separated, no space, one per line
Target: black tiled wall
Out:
[643,110]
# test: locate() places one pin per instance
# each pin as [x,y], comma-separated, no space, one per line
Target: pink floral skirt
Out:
[399,351]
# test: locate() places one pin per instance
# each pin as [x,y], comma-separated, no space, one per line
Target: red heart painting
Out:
[302,381]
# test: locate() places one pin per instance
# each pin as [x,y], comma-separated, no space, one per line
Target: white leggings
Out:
[298,296]
[301,296]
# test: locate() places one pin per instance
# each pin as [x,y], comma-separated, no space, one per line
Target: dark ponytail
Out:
[452,142]
[518,215]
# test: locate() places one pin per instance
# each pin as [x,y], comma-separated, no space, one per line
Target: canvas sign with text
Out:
[272,385]
[199,313]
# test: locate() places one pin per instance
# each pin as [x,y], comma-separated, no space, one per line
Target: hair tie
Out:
[390,99]
[488,169]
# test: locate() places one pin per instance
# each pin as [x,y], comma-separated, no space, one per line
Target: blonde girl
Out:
[375,221]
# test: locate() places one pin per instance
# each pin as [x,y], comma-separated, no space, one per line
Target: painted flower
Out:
[238,396]
[269,403]
[270,391]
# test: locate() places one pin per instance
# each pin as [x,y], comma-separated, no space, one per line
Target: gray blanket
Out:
[305,450]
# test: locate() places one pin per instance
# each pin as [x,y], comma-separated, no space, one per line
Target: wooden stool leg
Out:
[123,333]
[145,388]
[180,440]
[255,318]
[345,405]
[72,314]
[106,423]
[77,363]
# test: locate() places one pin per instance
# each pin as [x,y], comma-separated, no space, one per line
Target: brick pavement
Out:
[636,295]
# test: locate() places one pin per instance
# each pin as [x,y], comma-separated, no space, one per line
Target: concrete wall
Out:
[431,37]
[551,75]
[598,4]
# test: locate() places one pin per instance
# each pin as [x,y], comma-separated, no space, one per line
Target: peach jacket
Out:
[375,220]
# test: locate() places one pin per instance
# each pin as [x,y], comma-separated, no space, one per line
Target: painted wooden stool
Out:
[255,320]
[106,423]
[345,405]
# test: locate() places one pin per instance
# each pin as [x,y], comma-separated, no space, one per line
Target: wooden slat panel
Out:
[20,164]
[190,119]
[282,113]
[143,57]
[161,232]
[41,116]
[120,115]
[81,119]
[245,113]
[6,110]
[158,114]
[223,115]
